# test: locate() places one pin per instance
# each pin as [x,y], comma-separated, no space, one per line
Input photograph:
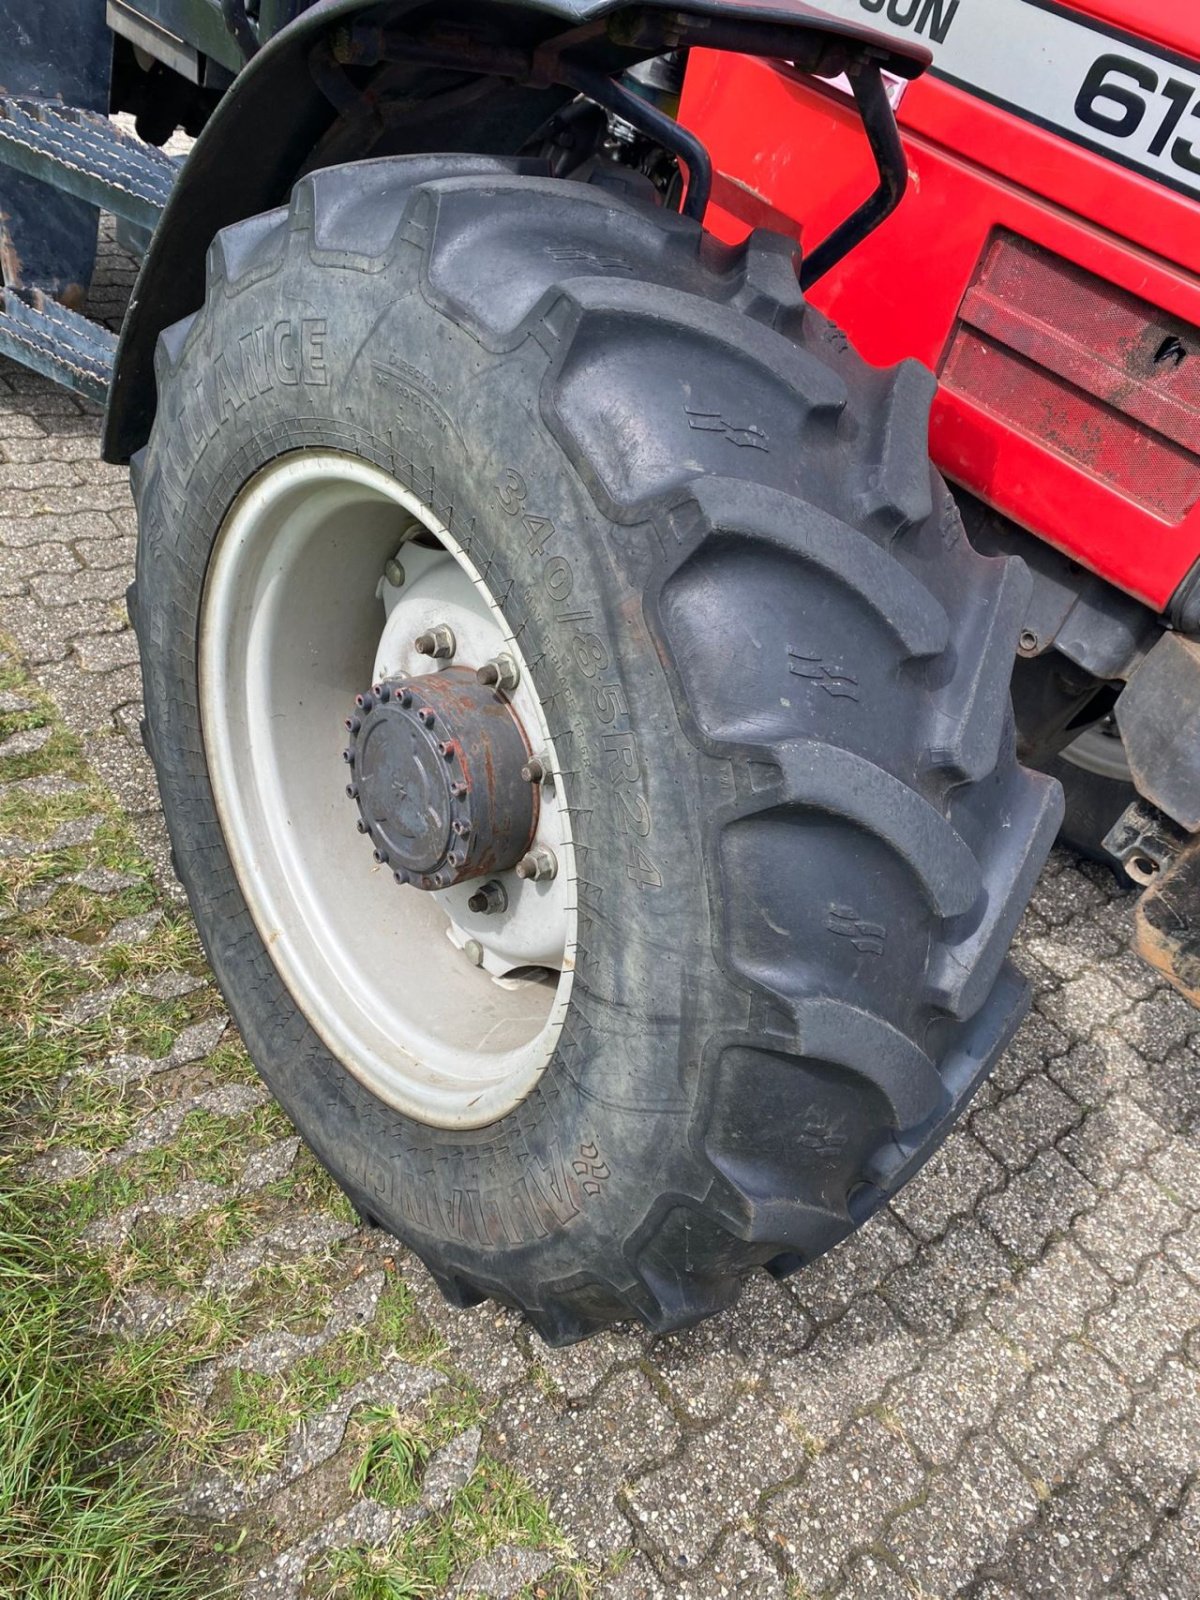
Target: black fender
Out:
[300,104]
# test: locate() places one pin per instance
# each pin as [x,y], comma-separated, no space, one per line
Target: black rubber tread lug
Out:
[238,250]
[830,1030]
[969,714]
[353,214]
[962,973]
[730,507]
[768,286]
[822,777]
[899,490]
[171,344]
[601,331]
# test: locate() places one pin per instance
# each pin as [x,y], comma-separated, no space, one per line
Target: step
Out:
[86,155]
[76,353]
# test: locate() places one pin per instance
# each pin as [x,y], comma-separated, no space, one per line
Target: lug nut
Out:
[394,573]
[426,716]
[534,770]
[438,642]
[488,899]
[473,951]
[539,865]
[501,673]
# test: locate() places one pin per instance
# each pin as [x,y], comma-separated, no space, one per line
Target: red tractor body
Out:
[1045,261]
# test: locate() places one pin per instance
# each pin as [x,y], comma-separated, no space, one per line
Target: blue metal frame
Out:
[57,52]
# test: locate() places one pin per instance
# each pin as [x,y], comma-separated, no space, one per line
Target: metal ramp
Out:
[88,156]
[85,155]
[72,350]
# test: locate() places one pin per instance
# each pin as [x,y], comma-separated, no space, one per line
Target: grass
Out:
[494,1508]
[84,1514]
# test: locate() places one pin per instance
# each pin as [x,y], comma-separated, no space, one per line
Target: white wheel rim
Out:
[296,619]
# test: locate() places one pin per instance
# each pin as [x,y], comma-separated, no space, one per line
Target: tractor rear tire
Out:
[775,672]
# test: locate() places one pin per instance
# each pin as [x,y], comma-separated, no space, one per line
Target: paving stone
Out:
[366,1523]
[948,1279]
[1170,1091]
[1049,1302]
[49,786]
[1038,1205]
[107,651]
[636,1580]
[869,1578]
[1037,1042]
[971,1511]
[1157,1446]
[302,1235]
[684,1505]
[856,1266]
[578,1368]
[504,1572]
[956,1392]
[580,1459]
[1081,1537]
[26,743]
[1169,1568]
[1073,950]
[843,1503]
[1156,1026]
[741,1568]
[1028,1121]
[221,1497]
[1127,1226]
[103,880]
[844,1370]
[948,1186]
[1095,1069]
[1054,1422]
[1149,1320]
[450,1469]
[1183,1249]
[1086,1003]
[66,583]
[1112,1141]
[1175,1167]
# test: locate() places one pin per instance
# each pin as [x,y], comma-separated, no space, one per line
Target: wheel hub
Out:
[436,771]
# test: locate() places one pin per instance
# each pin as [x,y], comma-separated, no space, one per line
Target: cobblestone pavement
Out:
[993,1390]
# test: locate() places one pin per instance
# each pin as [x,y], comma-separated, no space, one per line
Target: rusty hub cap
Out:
[437,776]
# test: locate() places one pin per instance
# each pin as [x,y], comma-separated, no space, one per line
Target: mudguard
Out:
[297,106]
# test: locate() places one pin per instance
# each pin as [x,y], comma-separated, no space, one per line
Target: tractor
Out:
[653,517]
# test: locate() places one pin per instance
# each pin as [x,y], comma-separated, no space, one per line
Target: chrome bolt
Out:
[502,673]
[538,866]
[488,899]
[394,573]
[438,642]
[473,951]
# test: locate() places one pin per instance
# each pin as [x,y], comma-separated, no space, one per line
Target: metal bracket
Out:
[1145,842]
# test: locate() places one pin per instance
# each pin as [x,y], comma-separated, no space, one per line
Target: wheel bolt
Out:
[488,899]
[462,829]
[426,716]
[447,749]
[501,673]
[539,865]
[394,573]
[534,770]
[438,642]
[473,951]
[348,757]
